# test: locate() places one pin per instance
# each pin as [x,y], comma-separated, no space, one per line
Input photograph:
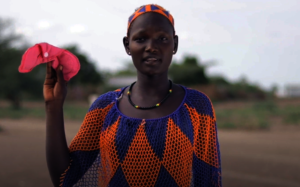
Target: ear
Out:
[175,44]
[126,44]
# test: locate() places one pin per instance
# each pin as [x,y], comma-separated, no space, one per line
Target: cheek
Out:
[168,48]
[135,51]
[136,47]
[168,52]
[136,55]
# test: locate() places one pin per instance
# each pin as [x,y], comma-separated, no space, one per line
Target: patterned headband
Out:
[150,8]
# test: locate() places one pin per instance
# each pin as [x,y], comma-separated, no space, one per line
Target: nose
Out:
[151,46]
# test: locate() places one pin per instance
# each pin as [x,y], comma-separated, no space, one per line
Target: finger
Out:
[59,74]
[48,70]
[49,74]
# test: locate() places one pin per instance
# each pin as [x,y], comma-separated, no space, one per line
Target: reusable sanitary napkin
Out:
[43,53]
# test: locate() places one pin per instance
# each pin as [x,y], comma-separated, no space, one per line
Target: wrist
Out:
[54,105]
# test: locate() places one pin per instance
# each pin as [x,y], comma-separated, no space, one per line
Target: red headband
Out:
[150,8]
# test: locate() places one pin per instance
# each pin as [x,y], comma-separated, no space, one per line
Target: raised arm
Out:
[57,153]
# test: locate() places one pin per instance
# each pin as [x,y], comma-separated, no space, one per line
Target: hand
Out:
[55,87]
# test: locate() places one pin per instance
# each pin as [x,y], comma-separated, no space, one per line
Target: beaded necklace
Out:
[146,108]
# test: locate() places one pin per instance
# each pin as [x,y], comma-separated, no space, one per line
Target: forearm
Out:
[57,153]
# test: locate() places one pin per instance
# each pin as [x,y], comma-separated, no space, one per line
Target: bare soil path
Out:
[255,158]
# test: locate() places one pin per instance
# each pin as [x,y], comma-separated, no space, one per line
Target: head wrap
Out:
[150,8]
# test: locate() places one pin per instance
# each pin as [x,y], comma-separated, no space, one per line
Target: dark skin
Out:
[150,35]
[57,153]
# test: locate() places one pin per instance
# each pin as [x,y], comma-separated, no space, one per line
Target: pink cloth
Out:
[43,53]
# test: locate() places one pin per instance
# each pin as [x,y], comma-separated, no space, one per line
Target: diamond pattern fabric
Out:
[150,8]
[180,149]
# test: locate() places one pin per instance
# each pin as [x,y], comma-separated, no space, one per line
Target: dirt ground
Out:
[255,158]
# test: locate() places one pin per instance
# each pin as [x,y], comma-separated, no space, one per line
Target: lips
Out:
[151,60]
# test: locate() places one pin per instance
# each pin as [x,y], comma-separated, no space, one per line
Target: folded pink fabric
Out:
[43,53]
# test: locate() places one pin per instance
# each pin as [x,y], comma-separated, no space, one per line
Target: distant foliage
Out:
[14,85]
[88,73]
[237,90]
[188,72]
[128,70]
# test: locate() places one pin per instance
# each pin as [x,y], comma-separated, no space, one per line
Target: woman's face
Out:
[151,43]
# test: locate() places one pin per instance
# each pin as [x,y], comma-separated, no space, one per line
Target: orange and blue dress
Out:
[114,150]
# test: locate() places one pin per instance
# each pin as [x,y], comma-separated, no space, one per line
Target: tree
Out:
[88,73]
[12,83]
[189,72]
[128,70]
[88,79]
[15,85]
[219,80]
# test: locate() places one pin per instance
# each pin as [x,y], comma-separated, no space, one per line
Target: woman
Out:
[151,133]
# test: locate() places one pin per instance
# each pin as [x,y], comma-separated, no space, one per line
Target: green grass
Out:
[291,115]
[257,116]
[75,112]
[71,111]
[251,116]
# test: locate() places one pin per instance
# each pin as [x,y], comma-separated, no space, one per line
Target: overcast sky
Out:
[256,38]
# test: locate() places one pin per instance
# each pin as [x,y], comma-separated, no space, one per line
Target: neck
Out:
[152,85]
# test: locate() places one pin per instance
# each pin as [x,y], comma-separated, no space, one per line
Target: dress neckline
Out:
[154,119]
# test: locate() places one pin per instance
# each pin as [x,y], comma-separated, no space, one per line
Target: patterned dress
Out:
[114,150]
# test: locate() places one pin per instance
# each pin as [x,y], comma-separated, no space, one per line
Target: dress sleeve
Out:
[206,159]
[84,148]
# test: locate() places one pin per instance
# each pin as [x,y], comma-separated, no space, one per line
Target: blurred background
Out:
[242,53]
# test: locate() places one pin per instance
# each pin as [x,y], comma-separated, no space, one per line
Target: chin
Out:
[150,73]
[153,72]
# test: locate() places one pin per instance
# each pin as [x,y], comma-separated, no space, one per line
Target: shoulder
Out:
[105,99]
[199,101]
[197,96]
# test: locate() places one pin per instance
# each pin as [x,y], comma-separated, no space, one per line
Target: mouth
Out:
[151,60]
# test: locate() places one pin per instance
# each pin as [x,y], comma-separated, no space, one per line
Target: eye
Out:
[140,39]
[164,39]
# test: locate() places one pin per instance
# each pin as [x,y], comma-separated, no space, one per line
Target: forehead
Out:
[152,22]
